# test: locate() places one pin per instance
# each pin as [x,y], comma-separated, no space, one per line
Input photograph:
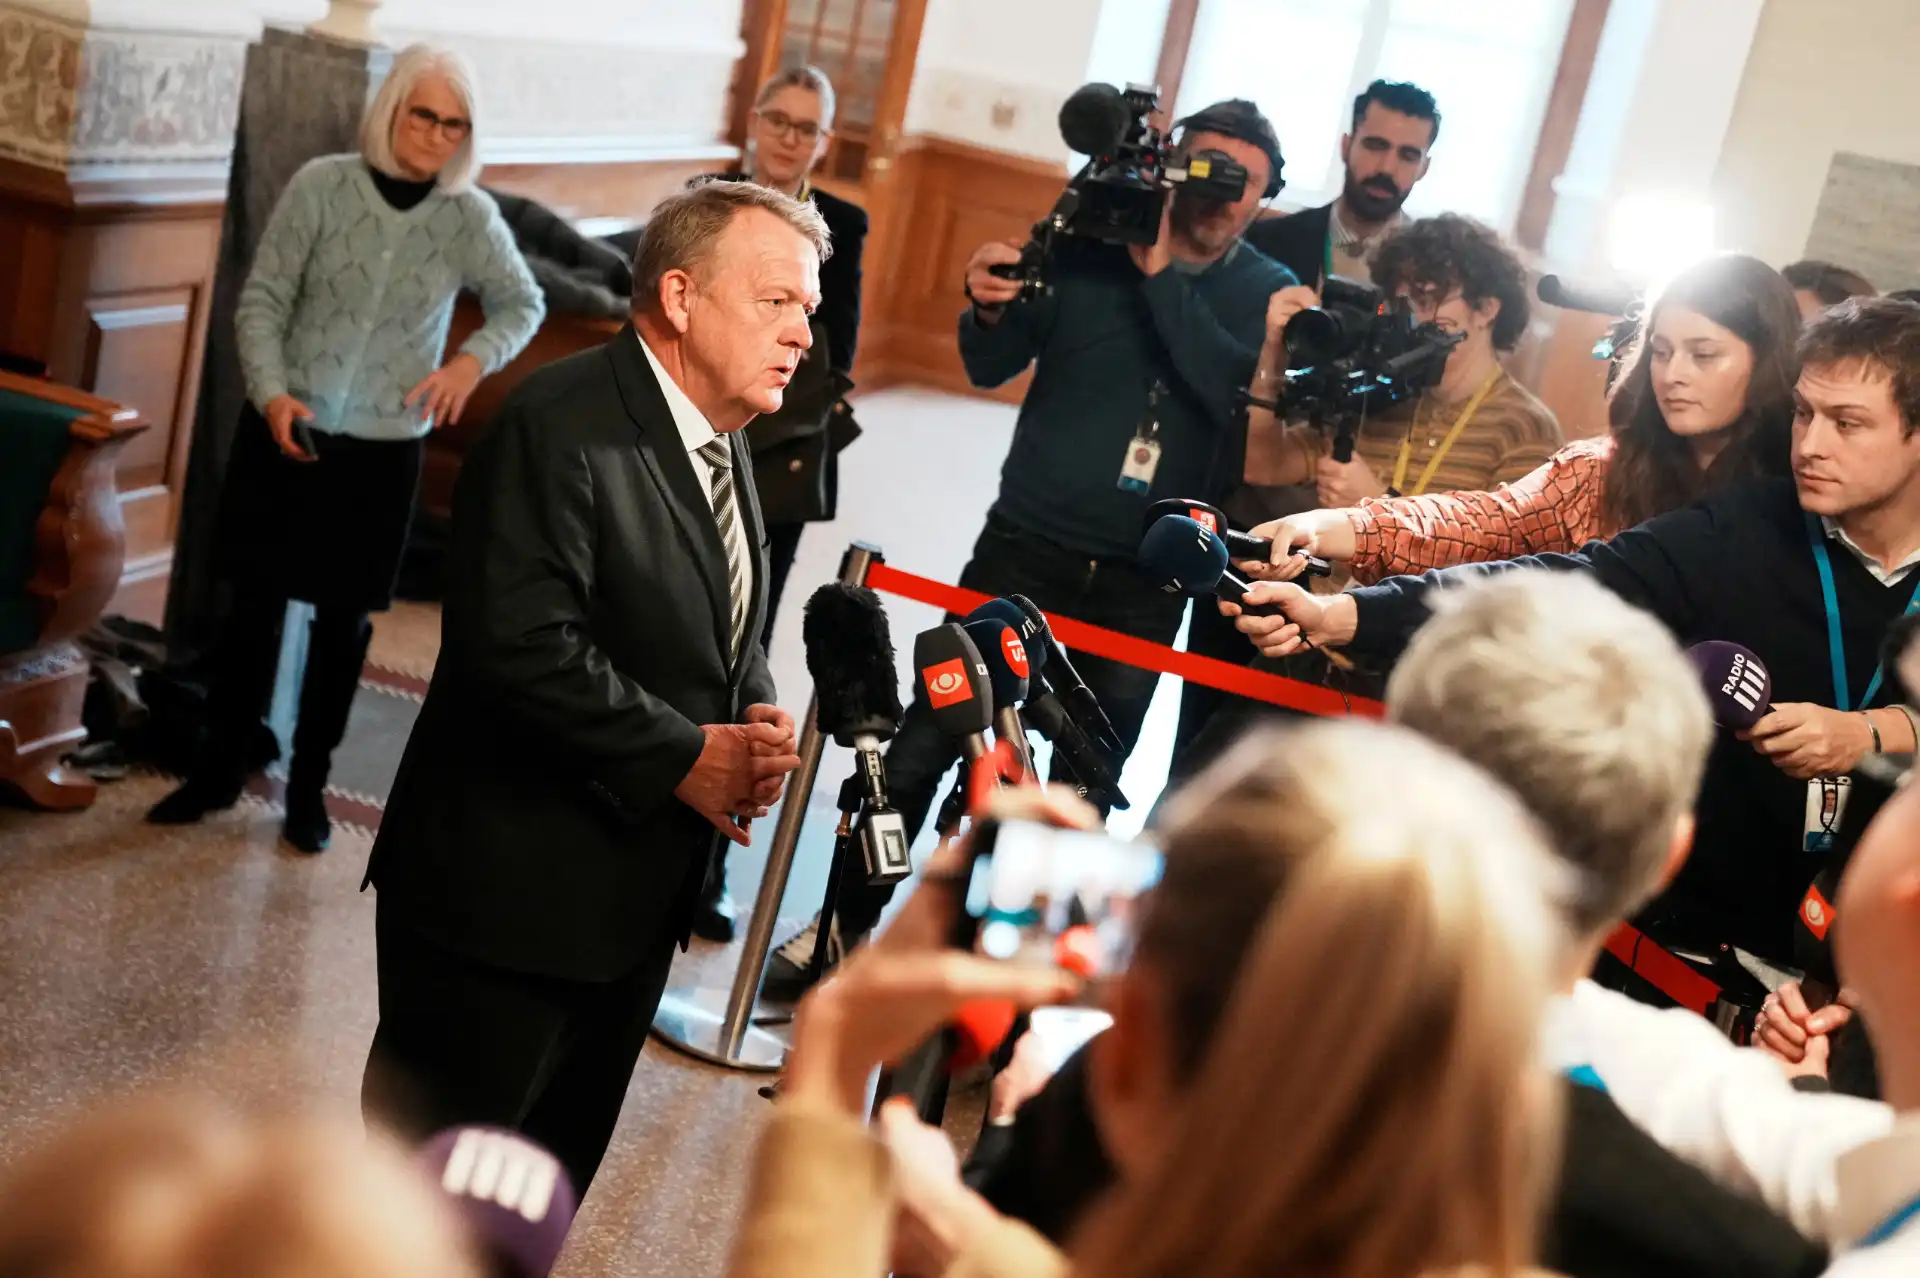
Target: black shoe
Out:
[787,979]
[713,919]
[306,826]
[194,800]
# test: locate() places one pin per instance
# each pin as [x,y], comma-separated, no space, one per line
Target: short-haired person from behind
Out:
[1135,350]
[601,714]
[341,329]
[1818,285]
[1706,400]
[1322,1055]
[1807,576]
[1387,148]
[174,1188]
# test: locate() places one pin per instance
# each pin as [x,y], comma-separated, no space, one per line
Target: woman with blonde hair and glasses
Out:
[1323,1056]
[341,326]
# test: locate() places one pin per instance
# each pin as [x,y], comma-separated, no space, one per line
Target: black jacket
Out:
[533,824]
[1737,566]
[1624,1207]
[1297,241]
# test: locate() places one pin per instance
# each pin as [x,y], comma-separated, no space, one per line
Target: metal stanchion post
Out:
[692,1018]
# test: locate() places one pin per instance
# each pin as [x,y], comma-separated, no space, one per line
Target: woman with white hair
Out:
[342,327]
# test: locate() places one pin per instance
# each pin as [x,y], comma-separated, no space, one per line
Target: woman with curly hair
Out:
[1706,400]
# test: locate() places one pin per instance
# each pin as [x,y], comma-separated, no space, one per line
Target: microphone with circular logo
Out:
[1005,655]
[513,1197]
[953,679]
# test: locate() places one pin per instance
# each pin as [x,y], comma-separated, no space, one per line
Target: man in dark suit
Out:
[602,710]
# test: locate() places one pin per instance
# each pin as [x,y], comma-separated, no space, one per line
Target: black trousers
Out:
[1110,592]
[246,659]
[461,1041]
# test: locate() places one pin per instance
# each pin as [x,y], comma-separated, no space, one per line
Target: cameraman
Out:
[1139,353]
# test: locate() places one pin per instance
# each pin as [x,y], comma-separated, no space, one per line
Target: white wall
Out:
[1823,77]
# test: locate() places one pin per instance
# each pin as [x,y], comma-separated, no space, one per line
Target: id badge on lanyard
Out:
[1142,461]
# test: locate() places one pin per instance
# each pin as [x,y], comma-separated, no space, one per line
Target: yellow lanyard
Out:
[1440,454]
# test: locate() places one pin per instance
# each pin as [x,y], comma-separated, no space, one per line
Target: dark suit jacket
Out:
[1297,241]
[533,824]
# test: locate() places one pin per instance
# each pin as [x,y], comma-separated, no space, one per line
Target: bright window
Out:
[1489,63]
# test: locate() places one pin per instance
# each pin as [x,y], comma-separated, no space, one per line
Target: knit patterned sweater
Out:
[349,300]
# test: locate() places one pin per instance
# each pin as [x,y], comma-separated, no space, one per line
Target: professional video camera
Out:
[1120,194]
[1356,353]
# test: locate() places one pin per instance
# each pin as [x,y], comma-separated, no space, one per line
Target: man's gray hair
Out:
[383,115]
[685,229]
[1580,702]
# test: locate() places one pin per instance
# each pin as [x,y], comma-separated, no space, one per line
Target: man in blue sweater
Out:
[1138,356]
[1808,574]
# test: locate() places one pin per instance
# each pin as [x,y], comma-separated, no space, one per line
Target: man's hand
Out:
[444,393]
[1791,1029]
[1806,741]
[281,410]
[1325,621]
[726,780]
[987,288]
[1155,257]
[767,793]
[1348,483]
[1286,304]
[1325,533]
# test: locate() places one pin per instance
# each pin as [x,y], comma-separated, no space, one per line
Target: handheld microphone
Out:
[1065,682]
[1192,560]
[1736,682]
[1239,545]
[512,1196]
[1045,715]
[1007,673]
[857,703]
[953,679]
[1597,300]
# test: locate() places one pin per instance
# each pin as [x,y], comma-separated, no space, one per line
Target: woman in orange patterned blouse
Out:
[1706,399]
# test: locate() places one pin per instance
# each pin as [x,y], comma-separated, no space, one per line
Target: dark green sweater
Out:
[1098,344]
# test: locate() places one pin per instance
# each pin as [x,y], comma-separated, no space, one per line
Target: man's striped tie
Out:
[726,514]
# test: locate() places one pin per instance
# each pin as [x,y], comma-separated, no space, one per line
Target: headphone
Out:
[1238,118]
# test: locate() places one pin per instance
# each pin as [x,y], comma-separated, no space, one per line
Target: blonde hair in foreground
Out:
[410,65]
[1580,702]
[1368,1105]
[176,1188]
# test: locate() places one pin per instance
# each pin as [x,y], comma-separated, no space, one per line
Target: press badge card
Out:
[1143,450]
[1826,802]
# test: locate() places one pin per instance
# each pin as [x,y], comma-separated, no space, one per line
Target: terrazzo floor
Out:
[214,957]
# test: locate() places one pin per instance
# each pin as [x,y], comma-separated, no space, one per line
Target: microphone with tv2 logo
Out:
[1736,682]
[1008,671]
[1240,546]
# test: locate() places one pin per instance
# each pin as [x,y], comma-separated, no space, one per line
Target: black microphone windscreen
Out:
[513,1197]
[1735,680]
[1598,299]
[850,656]
[1179,551]
[1005,653]
[1094,119]
[953,679]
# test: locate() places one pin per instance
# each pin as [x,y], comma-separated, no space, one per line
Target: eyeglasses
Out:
[781,122]
[452,127]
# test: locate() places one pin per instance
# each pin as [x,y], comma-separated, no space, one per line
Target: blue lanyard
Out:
[1893,1224]
[1586,1076]
[1836,649]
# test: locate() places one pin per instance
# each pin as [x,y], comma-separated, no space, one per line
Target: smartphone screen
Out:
[1067,897]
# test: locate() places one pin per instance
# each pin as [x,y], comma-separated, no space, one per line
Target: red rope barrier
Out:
[1666,973]
[1132,651]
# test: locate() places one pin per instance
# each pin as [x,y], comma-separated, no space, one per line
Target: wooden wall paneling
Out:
[953,197]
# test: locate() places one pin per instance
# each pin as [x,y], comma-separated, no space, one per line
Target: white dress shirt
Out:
[1882,573]
[695,432]
[1729,1110]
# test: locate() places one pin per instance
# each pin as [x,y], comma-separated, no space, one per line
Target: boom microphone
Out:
[1094,119]
[953,679]
[850,656]
[1597,299]
[1192,560]
[1007,670]
[1065,681]
[1736,682]
[1239,545]
[512,1196]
